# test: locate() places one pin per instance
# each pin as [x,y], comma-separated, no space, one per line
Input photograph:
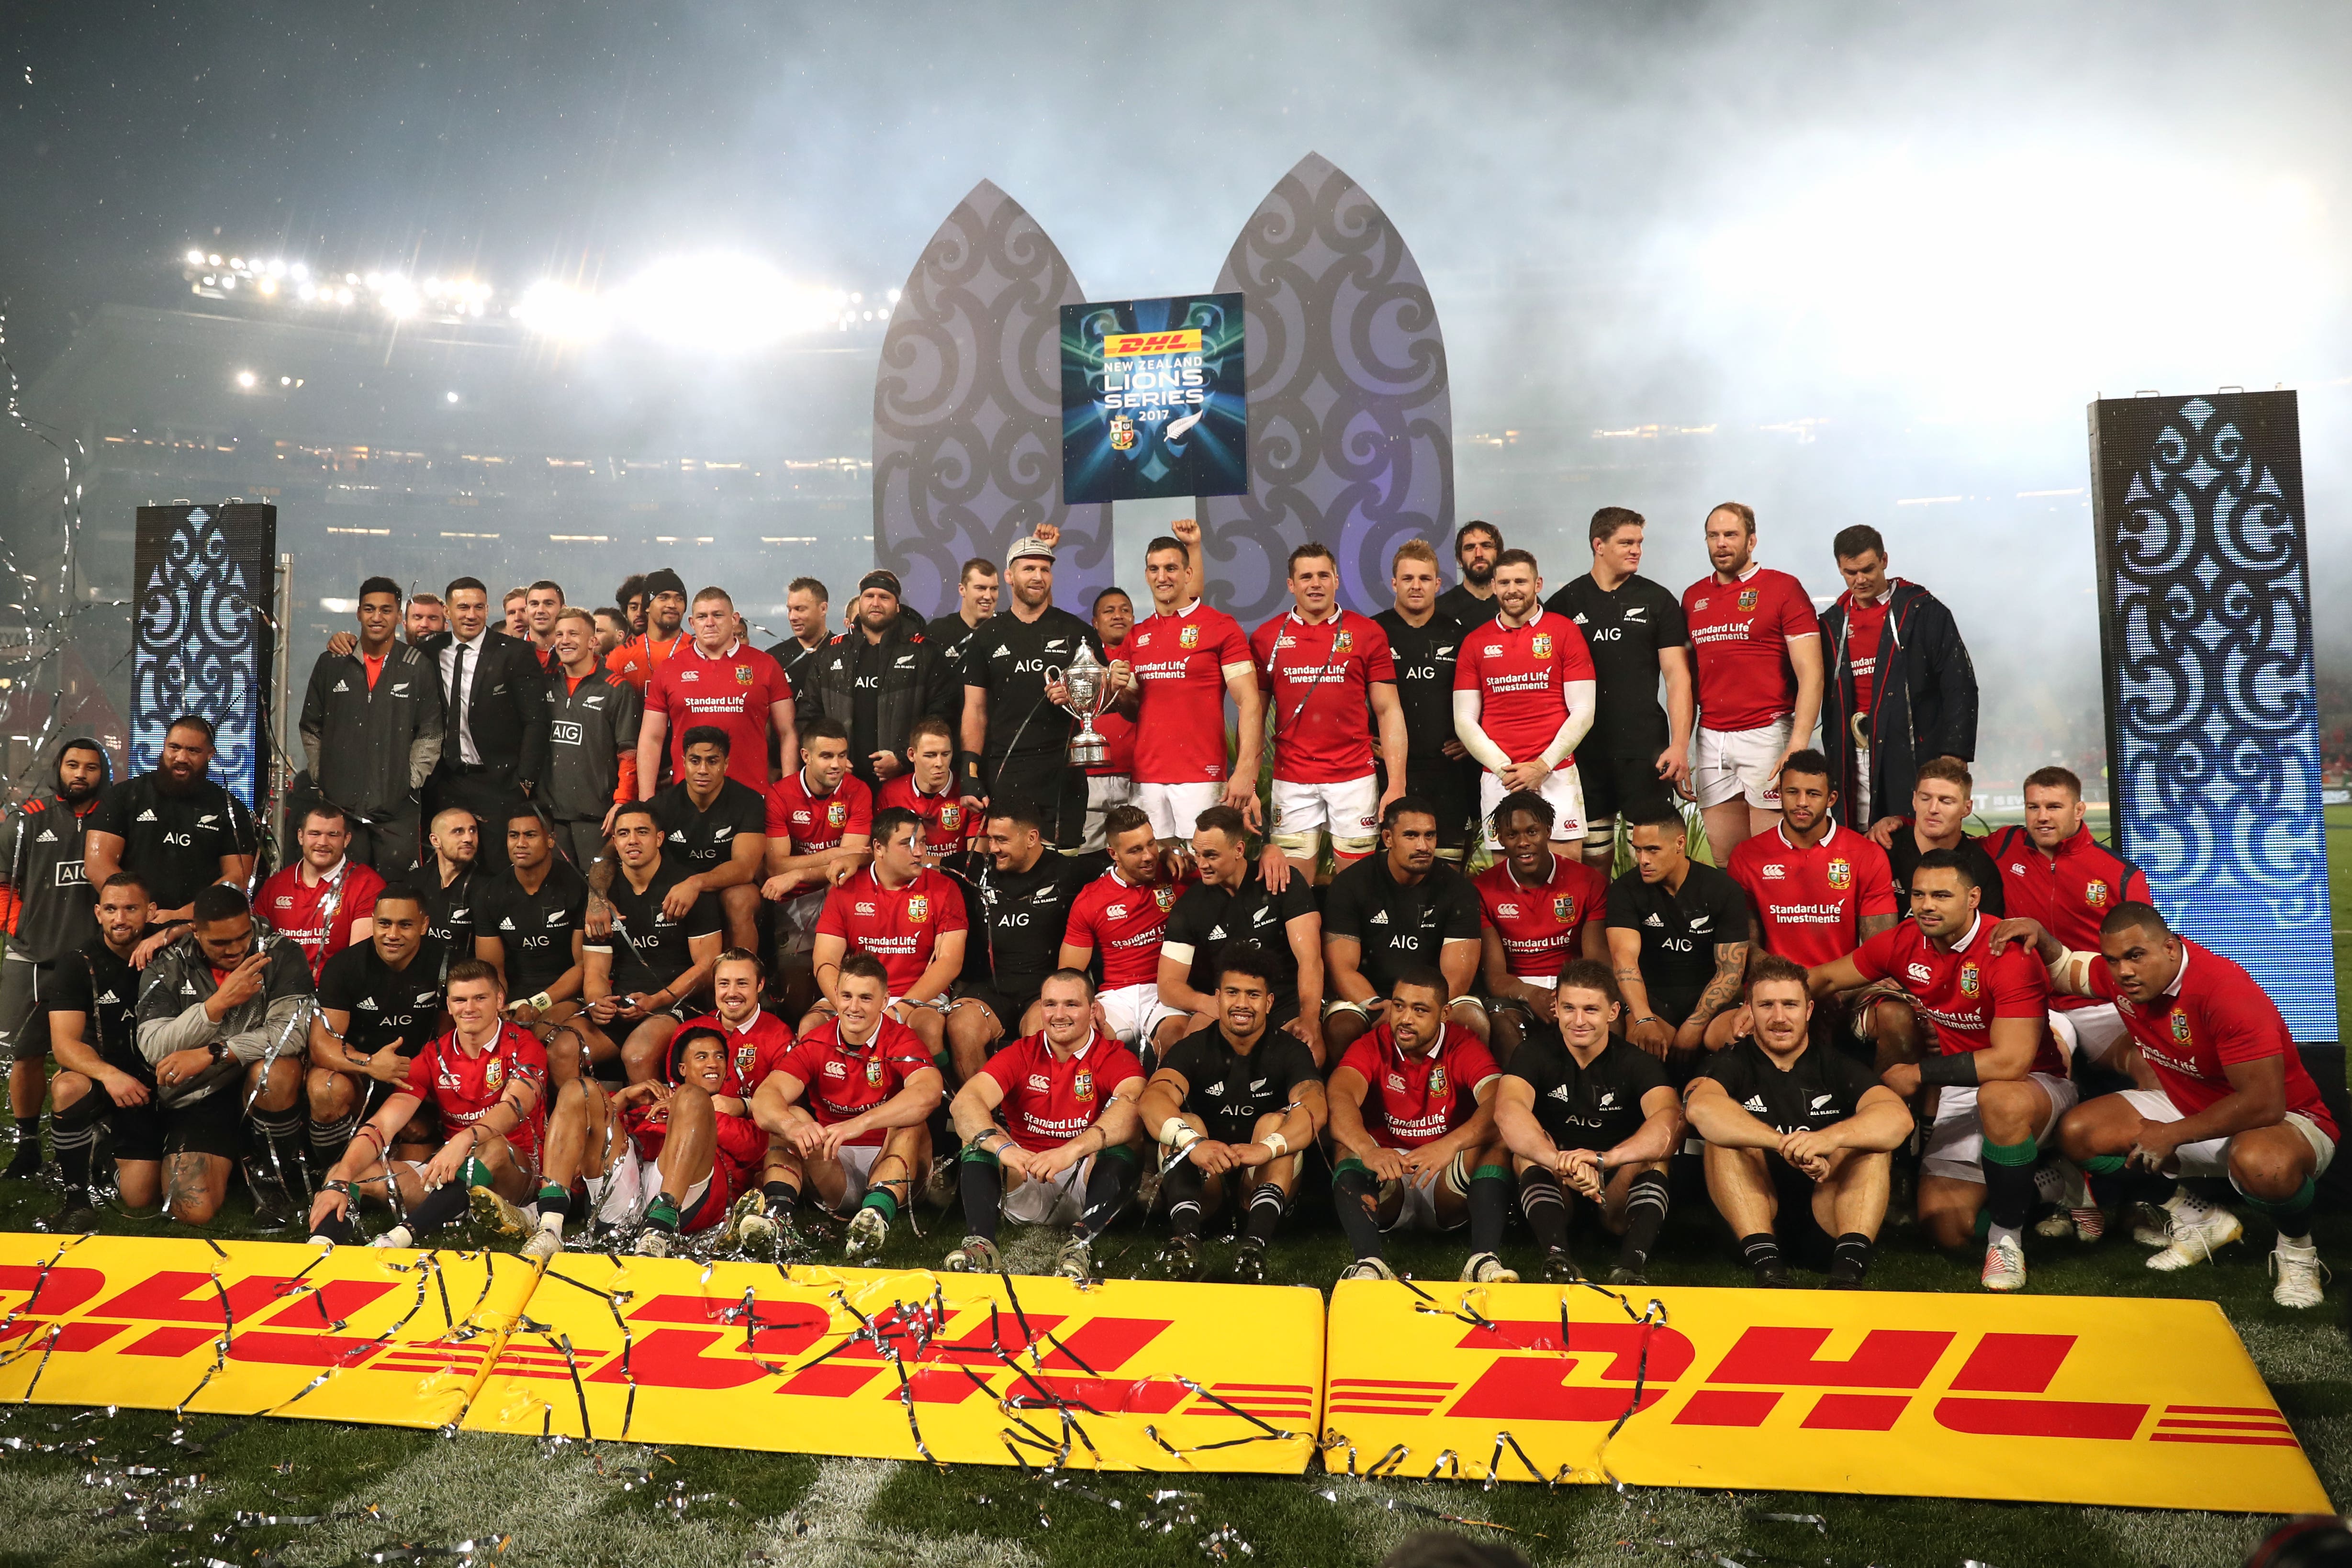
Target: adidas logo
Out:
[1655,920]
[47,837]
[679,837]
[111,999]
[1216,934]
[147,815]
[506,924]
[1217,1088]
[1380,918]
[1579,618]
[341,687]
[187,988]
[1558,1091]
[1755,1102]
[367,1002]
[1001,651]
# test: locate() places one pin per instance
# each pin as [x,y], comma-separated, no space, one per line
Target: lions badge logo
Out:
[742,675]
[1970,982]
[1746,598]
[1541,645]
[2095,895]
[1343,642]
[494,1074]
[1082,1086]
[836,814]
[1164,897]
[2180,1029]
[1437,1081]
[1564,909]
[918,908]
[747,1056]
[1122,432]
[874,1071]
[1841,875]
[1188,638]
[951,816]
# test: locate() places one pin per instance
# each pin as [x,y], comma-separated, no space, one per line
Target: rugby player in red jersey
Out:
[1758,650]
[906,914]
[820,829]
[847,1110]
[2000,1081]
[1414,1143]
[485,1078]
[1123,916]
[927,788]
[714,680]
[325,902]
[688,1146]
[1050,1133]
[1543,910]
[2232,1097]
[1522,697]
[1323,667]
[1183,661]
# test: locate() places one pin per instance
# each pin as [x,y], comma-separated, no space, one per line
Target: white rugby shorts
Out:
[1730,764]
[1954,1146]
[1563,788]
[2211,1157]
[1175,808]
[1349,810]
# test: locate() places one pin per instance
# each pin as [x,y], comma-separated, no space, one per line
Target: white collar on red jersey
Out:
[1512,872]
[1753,568]
[1788,843]
[1968,935]
[1116,875]
[1077,1055]
[803,776]
[1339,613]
[457,1038]
[328,877]
[734,645]
[748,1026]
[2180,973]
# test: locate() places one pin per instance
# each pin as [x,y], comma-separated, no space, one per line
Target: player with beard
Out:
[379,1005]
[486,1080]
[175,828]
[1050,1133]
[928,789]
[455,837]
[876,678]
[1018,890]
[1413,1146]
[1111,782]
[532,925]
[1583,1112]
[1523,699]
[324,902]
[1185,661]
[1797,1139]
[427,617]
[2001,1080]
[1236,1106]
[1232,907]
[1425,643]
[1393,912]
[636,660]
[1544,910]
[847,1110]
[1477,546]
[642,972]
[1122,916]
[102,1077]
[592,755]
[1942,801]
[1014,732]
[1759,654]
[904,913]
[46,903]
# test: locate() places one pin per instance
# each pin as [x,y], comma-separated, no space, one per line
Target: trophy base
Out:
[1088,751]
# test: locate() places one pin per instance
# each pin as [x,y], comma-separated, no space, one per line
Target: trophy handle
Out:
[1054,674]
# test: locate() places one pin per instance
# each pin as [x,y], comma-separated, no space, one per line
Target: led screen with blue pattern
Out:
[203,641]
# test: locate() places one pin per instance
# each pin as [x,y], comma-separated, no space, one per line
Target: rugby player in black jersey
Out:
[1233,1108]
[379,1005]
[639,976]
[101,1077]
[1017,893]
[1584,1111]
[530,921]
[1393,912]
[1231,906]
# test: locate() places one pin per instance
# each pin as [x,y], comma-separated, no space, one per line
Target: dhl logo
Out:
[1119,346]
[1991,1393]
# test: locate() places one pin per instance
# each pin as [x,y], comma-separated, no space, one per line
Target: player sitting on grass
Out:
[847,1112]
[485,1078]
[1050,1133]
[1235,1105]
[1412,1132]
[1587,1110]
[2233,1099]
[690,1146]
[1797,1137]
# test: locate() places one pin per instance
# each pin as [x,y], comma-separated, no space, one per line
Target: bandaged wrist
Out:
[1277,1144]
[541,1003]
[1172,1129]
[1959,1071]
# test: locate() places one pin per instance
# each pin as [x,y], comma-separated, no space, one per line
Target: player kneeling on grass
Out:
[1050,1133]
[1412,1133]
[1798,1137]
[2233,1097]
[485,1078]
[1587,1110]
[847,1112]
[1235,1105]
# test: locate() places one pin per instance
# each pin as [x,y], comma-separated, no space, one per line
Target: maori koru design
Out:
[199,651]
[968,407]
[2217,752]
[1351,427]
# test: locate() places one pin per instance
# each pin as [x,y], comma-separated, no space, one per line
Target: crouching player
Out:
[2233,1097]
[485,1078]
[1412,1133]
[847,1112]
[1235,1105]
[1592,1113]
[1050,1133]
[1798,1137]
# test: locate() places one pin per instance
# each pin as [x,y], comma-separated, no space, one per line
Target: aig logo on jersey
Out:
[565,732]
[1841,875]
[1971,980]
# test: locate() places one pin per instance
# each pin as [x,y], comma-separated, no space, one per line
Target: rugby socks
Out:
[1645,1211]
[335,1228]
[1761,1253]
[2291,1215]
[881,1203]
[1545,1207]
[554,1208]
[28,1147]
[1185,1188]
[662,1212]
[1850,1263]
[980,1180]
[277,1138]
[73,1133]
[437,1208]
[2113,1185]
[2008,1188]
[1357,1198]
[1490,1207]
[1112,1181]
[783,1197]
[329,1140]
[1266,1206]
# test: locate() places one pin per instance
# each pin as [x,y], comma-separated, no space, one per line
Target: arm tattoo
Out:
[1730,968]
[1871,925]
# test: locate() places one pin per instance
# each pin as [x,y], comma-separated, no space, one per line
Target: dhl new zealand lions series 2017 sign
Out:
[1153,399]
[2052,1399]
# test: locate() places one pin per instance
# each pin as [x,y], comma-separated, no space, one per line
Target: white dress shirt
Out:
[462,702]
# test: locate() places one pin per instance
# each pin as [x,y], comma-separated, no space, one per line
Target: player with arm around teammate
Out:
[1234,1105]
[1587,1113]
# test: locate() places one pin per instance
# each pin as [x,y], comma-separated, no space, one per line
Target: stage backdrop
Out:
[968,409]
[206,577]
[2212,725]
[1350,423]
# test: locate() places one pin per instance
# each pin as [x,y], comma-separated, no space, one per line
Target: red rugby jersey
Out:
[464,1086]
[1047,1100]
[1740,633]
[816,822]
[1124,923]
[742,1149]
[1811,902]
[753,1051]
[1963,991]
[844,1080]
[945,824]
[318,918]
[1521,674]
[1542,927]
[1318,680]
[1414,1101]
[901,926]
[733,690]
[1179,668]
[1863,630]
[2069,891]
[2214,1015]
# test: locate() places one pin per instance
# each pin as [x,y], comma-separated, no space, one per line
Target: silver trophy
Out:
[1088,681]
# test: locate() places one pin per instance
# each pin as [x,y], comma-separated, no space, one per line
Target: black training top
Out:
[1395,925]
[1228,1090]
[103,988]
[1207,920]
[1824,1088]
[1425,656]
[703,840]
[1903,858]
[534,930]
[1596,1107]
[649,948]
[1679,932]
[174,841]
[1624,628]
[385,1004]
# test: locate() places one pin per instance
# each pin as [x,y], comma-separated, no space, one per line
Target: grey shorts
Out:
[24,1009]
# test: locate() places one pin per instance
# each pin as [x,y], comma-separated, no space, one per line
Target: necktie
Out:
[457,701]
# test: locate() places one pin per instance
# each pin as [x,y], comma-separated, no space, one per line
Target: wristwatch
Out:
[219,1050]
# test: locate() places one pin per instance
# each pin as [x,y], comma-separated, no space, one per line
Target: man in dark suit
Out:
[494,742]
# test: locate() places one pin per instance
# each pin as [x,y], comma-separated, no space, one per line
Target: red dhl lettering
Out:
[1117,344]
